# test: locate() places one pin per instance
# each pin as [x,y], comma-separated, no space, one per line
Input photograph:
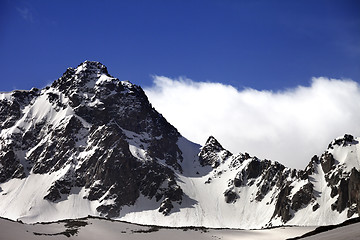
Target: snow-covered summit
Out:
[87,76]
[86,73]
[345,150]
[214,144]
[91,66]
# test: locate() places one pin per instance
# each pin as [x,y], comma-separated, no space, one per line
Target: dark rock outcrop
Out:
[230,196]
[327,162]
[354,192]
[302,197]
[282,206]
[212,153]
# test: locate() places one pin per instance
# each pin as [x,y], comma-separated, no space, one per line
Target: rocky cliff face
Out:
[342,175]
[337,169]
[90,144]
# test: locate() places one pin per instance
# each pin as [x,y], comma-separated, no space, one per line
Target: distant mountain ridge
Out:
[90,144]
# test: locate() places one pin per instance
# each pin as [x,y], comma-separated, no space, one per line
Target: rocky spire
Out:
[212,153]
[86,74]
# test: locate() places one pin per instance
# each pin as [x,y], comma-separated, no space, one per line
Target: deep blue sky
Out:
[259,44]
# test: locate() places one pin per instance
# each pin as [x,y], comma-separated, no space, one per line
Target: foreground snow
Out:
[347,232]
[100,228]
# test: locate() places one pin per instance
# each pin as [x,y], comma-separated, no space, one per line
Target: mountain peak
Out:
[213,144]
[92,67]
[347,139]
[212,153]
[86,74]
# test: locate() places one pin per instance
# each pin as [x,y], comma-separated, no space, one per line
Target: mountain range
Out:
[90,144]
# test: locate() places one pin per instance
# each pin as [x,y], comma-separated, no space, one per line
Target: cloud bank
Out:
[287,126]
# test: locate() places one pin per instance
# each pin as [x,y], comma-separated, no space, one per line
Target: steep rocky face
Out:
[11,106]
[272,177]
[93,127]
[340,165]
[342,175]
[292,190]
[101,99]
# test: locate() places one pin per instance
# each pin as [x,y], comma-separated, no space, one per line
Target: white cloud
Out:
[26,14]
[288,126]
